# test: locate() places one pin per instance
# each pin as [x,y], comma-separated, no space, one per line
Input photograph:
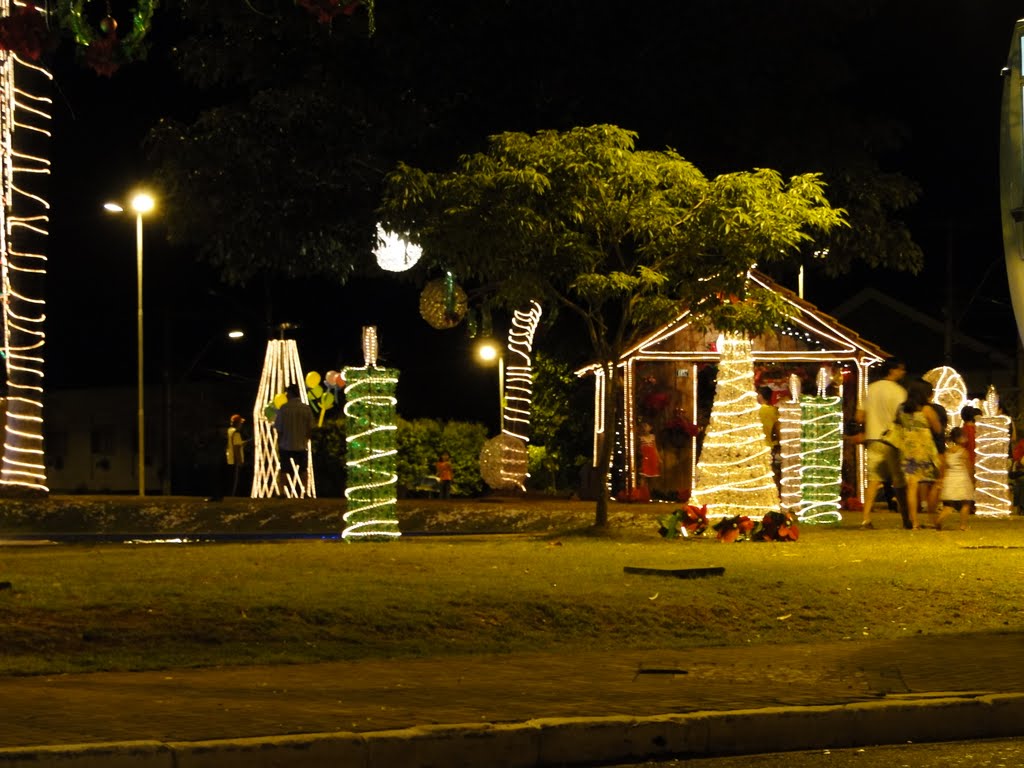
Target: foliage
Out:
[618,237]
[559,424]
[421,442]
[328,443]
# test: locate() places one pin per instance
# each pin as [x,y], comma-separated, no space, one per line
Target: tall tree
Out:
[618,237]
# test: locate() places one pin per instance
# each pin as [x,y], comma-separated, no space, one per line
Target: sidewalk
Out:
[522,710]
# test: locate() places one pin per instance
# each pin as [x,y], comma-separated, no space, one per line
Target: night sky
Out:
[680,76]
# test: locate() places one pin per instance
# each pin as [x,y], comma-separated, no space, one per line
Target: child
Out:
[444,474]
[958,483]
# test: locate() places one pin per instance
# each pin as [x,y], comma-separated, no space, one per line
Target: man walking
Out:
[294,424]
[883,399]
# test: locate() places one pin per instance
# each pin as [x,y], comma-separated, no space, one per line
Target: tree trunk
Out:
[607,442]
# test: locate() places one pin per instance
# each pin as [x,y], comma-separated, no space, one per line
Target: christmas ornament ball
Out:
[108,25]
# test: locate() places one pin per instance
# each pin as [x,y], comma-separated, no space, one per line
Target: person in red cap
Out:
[236,451]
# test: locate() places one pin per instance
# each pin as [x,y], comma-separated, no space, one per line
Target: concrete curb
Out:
[567,741]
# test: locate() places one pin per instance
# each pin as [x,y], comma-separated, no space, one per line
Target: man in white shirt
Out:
[882,402]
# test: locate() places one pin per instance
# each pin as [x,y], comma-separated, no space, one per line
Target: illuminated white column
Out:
[24,224]
[992,459]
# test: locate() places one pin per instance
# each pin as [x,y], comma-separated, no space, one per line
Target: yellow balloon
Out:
[312,379]
[316,391]
[280,399]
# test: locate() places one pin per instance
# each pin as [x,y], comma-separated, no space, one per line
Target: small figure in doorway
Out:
[650,461]
[443,468]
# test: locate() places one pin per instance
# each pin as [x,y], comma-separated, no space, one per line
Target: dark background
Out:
[682,75]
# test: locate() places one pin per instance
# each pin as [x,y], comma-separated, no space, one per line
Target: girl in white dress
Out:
[958,482]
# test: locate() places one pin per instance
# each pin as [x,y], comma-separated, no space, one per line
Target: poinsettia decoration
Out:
[24,32]
[777,526]
[688,520]
[730,529]
[324,11]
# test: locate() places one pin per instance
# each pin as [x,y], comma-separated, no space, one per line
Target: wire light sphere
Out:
[394,253]
[950,390]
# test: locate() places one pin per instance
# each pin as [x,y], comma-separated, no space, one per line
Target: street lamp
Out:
[142,203]
[489,350]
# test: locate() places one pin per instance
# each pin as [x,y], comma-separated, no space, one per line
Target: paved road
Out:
[995,753]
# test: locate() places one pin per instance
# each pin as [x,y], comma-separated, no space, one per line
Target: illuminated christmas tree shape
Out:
[371,446]
[734,473]
[281,367]
[24,121]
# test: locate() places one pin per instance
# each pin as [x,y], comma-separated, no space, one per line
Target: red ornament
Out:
[108,26]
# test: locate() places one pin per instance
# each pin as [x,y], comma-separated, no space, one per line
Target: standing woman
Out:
[919,456]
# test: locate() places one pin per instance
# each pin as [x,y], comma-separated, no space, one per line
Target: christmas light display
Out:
[950,391]
[443,303]
[816,338]
[519,373]
[821,458]
[281,367]
[504,460]
[393,253]
[24,121]
[992,459]
[790,432]
[734,474]
[371,447]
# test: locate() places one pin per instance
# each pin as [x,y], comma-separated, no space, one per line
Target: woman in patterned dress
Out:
[918,454]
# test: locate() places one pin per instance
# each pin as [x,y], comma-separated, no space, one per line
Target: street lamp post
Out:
[141,203]
[487,351]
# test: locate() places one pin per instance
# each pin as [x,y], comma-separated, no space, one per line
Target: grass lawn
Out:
[81,607]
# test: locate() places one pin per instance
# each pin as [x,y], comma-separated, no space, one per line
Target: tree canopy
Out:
[617,236]
[299,121]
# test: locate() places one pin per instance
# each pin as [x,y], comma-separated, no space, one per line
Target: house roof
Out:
[893,315]
[832,339]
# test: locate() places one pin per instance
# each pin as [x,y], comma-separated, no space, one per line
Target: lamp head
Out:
[143,203]
[488,350]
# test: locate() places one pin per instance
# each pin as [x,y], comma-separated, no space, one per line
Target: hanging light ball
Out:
[503,462]
[393,253]
[108,25]
[434,305]
[950,388]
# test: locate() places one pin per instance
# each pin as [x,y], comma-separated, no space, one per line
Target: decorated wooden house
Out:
[669,383]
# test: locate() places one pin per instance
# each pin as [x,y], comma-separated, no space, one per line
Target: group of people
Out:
[909,449]
[294,424]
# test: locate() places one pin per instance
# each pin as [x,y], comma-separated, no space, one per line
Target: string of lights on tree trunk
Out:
[24,121]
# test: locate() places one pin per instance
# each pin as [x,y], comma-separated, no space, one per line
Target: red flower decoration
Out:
[24,32]
[101,55]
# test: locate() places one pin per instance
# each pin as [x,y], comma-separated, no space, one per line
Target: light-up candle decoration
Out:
[371,446]
[24,123]
[734,473]
[992,462]
[504,460]
[789,447]
[821,457]
[281,367]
